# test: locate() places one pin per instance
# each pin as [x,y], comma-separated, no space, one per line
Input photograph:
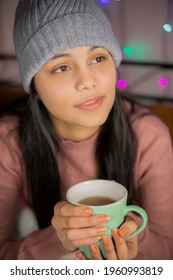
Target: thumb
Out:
[128,227]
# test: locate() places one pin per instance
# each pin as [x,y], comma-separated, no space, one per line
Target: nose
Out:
[85,80]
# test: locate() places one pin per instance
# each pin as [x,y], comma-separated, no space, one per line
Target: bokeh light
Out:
[163,82]
[121,84]
[128,50]
[167,27]
[104,2]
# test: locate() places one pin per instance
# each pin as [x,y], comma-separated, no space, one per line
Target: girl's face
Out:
[77,87]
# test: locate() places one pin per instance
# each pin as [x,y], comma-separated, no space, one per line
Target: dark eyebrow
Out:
[61,55]
[93,48]
[69,55]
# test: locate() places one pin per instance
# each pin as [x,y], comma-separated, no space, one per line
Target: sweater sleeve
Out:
[154,187]
[41,244]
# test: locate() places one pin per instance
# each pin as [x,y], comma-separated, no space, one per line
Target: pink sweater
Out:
[153,190]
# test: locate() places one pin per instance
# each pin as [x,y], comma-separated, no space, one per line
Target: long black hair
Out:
[115,152]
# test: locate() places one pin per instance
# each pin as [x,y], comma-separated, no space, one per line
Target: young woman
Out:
[71,127]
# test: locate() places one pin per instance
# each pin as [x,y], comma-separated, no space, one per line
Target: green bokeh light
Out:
[141,50]
[167,27]
[137,50]
[128,51]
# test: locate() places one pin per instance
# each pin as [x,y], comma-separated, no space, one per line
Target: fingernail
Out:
[105,241]
[96,239]
[115,232]
[87,211]
[100,230]
[93,248]
[123,232]
[103,219]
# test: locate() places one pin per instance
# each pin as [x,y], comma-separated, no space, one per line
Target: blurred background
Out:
[144,29]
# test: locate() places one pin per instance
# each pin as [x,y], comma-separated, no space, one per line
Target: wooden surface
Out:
[165,112]
[7,95]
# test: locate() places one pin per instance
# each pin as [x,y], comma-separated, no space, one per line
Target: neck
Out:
[78,134]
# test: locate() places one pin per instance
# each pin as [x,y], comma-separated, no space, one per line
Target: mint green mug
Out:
[105,191]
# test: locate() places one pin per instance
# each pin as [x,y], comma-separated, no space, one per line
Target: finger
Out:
[125,230]
[132,244]
[76,234]
[80,256]
[109,248]
[83,222]
[121,246]
[126,248]
[77,243]
[64,208]
[95,252]
[128,227]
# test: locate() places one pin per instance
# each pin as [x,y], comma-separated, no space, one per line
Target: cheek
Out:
[55,101]
[109,77]
[110,84]
[113,75]
[51,94]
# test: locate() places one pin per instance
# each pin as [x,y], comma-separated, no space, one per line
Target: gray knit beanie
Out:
[44,28]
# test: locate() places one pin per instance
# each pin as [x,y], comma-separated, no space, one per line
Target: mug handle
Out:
[142,213]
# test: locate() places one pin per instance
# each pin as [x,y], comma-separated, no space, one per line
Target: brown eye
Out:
[98,59]
[61,69]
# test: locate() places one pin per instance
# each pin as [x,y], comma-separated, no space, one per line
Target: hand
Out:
[126,249]
[76,226]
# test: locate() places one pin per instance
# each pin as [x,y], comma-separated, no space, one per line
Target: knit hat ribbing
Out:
[44,28]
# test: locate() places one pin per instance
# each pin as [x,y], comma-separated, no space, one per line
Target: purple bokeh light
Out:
[121,84]
[163,82]
[104,2]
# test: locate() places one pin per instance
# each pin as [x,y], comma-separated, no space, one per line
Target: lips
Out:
[91,103]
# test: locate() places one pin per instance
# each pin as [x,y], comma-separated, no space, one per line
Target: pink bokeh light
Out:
[163,82]
[121,84]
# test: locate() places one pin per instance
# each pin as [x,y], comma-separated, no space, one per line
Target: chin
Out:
[96,121]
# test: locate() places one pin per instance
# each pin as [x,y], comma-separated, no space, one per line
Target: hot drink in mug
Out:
[105,197]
